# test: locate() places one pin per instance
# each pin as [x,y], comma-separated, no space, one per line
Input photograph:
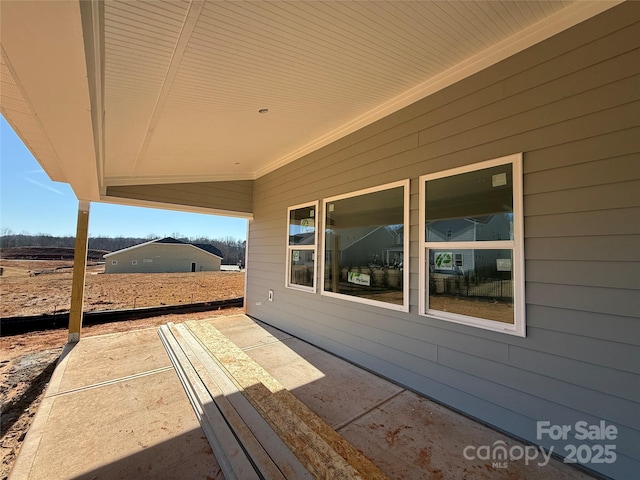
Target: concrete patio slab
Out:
[118,422]
[247,334]
[407,435]
[413,437]
[115,408]
[108,357]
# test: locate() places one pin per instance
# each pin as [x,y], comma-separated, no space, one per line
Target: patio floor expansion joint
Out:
[265,344]
[366,411]
[110,382]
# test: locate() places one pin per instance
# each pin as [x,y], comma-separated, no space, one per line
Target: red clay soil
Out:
[34,287]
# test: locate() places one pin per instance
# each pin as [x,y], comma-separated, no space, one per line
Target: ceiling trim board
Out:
[150,180]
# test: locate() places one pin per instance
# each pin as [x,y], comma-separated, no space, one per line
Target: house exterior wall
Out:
[231,196]
[161,258]
[570,104]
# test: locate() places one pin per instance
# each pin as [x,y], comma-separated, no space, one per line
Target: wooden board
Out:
[229,453]
[324,452]
[268,453]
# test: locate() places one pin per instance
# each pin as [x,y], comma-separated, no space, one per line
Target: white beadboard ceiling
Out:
[181,83]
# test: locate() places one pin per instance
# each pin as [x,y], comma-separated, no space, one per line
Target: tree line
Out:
[233,250]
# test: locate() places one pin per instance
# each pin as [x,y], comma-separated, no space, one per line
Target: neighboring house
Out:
[487,228]
[362,246]
[408,112]
[469,229]
[165,255]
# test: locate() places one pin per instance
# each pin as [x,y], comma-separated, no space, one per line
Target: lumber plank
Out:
[318,456]
[266,449]
[322,450]
[229,453]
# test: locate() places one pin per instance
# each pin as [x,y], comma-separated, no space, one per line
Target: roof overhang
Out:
[119,93]
[45,93]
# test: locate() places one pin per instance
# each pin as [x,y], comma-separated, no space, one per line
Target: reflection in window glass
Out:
[476,283]
[472,258]
[365,245]
[302,226]
[470,207]
[301,271]
[301,247]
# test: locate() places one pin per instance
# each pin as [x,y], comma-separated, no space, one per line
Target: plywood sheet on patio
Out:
[313,443]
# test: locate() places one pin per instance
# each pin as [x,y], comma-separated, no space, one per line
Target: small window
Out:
[365,245]
[472,257]
[302,239]
[134,262]
[114,262]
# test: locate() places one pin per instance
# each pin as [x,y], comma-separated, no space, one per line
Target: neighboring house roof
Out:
[168,240]
[304,238]
[352,236]
[207,247]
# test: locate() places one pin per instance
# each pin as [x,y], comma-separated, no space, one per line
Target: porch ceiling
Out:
[175,88]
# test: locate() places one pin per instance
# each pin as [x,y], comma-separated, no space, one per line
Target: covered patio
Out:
[261,109]
[186,105]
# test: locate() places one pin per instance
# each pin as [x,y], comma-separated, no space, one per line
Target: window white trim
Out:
[516,246]
[405,271]
[314,248]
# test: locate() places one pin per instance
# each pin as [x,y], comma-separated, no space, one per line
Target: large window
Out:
[365,246]
[301,247]
[472,245]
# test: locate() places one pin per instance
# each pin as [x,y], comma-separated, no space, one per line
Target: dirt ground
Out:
[34,287]
[493,310]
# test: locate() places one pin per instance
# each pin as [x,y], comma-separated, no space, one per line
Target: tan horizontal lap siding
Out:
[571,104]
[165,257]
